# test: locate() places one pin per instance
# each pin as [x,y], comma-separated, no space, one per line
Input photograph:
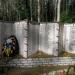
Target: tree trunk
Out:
[38,11]
[58,10]
[31,9]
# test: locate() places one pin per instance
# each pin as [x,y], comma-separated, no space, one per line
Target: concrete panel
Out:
[48,38]
[20,31]
[69,38]
[6,30]
[33,39]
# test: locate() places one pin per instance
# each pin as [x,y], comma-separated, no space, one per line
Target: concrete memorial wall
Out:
[69,37]
[43,37]
[48,38]
[33,38]
[6,30]
[20,31]
[38,37]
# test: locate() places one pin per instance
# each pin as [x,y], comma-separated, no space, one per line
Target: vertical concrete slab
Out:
[20,31]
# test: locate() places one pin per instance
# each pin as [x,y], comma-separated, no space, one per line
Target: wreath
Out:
[10,47]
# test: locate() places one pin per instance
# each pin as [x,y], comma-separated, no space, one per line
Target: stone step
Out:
[36,62]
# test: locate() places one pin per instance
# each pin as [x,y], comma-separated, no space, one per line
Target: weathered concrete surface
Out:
[19,30]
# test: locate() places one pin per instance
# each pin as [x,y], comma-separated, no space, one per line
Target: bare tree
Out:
[31,9]
[58,10]
[38,11]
